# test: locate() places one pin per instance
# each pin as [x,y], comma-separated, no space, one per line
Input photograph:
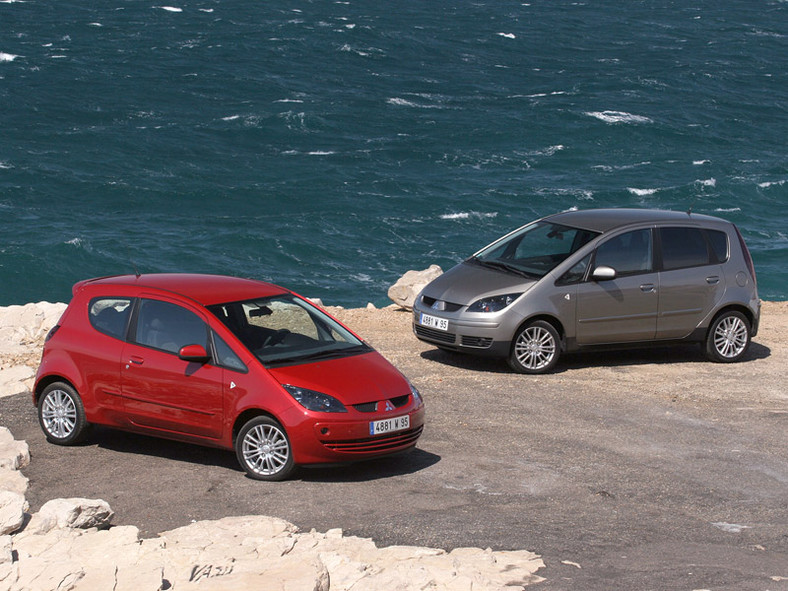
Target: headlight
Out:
[312,400]
[416,396]
[493,303]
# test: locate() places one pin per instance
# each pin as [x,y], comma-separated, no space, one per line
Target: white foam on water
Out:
[508,35]
[464,215]
[641,192]
[172,9]
[7,57]
[618,117]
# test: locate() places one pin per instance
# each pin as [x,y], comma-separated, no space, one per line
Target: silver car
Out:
[597,278]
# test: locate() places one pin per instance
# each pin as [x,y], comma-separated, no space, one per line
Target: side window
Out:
[110,315]
[576,273]
[225,356]
[627,253]
[683,247]
[169,327]
[719,244]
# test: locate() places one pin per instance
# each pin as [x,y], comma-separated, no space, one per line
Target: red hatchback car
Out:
[225,362]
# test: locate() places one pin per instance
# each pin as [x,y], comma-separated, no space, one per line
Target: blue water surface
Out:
[330,146]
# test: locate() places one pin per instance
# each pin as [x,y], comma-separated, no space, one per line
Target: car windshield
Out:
[284,329]
[534,250]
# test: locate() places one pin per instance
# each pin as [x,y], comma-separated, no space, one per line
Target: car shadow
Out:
[124,442]
[615,357]
[408,462]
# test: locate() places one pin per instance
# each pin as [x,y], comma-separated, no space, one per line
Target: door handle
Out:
[648,288]
[713,280]
[136,361]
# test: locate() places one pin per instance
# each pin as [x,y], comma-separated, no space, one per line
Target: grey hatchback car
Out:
[597,278]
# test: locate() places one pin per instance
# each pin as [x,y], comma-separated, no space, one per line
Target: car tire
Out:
[61,414]
[535,348]
[263,450]
[728,338]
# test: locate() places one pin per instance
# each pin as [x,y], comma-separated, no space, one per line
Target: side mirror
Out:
[194,353]
[603,273]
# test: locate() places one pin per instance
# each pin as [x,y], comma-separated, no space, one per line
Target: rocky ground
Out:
[626,470]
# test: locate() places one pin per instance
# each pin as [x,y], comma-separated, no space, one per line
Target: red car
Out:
[225,362]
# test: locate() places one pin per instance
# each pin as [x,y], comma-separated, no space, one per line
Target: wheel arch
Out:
[248,415]
[549,318]
[48,380]
[730,308]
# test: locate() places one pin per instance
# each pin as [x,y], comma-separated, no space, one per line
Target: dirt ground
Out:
[642,469]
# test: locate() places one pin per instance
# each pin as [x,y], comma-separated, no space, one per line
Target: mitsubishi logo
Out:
[389,406]
[438,305]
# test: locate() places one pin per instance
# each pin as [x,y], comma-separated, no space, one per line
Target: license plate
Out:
[389,425]
[434,322]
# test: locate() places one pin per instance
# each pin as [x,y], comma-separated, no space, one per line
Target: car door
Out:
[622,308]
[162,392]
[691,280]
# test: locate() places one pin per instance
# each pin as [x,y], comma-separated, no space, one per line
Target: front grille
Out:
[397,402]
[382,443]
[434,335]
[447,306]
[477,342]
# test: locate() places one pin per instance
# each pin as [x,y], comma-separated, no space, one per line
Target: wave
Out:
[727,209]
[618,117]
[7,57]
[707,182]
[508,35]
[700,162]
[767,184]
[401,102]
[171,8]
[642,192]
[464,215]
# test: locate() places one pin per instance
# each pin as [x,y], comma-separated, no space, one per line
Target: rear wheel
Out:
[728,338]
[535,349]
[61,414]
[263,449]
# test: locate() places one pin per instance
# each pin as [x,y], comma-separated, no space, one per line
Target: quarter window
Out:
[110,315]
[627,253]
[169,327]
[683,247]
[719,244]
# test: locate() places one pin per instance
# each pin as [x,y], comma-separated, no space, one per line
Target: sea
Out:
[330,146]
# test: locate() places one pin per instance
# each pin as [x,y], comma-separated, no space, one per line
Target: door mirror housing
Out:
[603,273]
[194,353]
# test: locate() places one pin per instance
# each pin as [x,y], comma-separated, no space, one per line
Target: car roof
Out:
[204,289]
[604,220]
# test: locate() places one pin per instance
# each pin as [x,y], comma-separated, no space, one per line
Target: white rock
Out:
[13,454]
[12,511]
[404,291]
[75,513]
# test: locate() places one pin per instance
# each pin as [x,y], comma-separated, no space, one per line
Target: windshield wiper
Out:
[506,267]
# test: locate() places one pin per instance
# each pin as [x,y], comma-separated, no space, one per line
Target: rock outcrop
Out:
[404,291]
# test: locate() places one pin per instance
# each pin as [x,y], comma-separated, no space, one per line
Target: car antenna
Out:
[137,273]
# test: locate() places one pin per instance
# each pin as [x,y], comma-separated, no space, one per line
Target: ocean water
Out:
[330,146]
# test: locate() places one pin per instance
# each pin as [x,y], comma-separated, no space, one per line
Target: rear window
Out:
[110,315]
[683,247]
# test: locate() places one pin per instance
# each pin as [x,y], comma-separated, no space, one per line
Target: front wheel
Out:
[61,414]
[728,338]
[535,349]
[263,449]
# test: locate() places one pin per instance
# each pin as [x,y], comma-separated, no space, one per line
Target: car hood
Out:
[351,380]
[466,283]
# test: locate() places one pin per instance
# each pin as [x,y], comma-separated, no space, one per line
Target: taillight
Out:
[747,258]
[52,332]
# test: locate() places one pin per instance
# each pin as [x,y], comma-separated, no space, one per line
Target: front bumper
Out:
[346,437]
[467,336]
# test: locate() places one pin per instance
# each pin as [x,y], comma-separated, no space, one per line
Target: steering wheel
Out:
[276,337]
